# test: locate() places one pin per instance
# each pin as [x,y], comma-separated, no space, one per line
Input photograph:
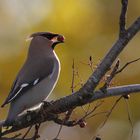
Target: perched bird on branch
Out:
[37,77]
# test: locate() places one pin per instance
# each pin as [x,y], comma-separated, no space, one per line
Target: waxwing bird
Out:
[37,77]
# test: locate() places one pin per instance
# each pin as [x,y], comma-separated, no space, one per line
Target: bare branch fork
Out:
[87,93]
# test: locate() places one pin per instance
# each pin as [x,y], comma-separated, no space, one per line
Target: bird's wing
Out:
[28,78]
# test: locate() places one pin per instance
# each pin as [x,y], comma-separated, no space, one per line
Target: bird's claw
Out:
[46,104]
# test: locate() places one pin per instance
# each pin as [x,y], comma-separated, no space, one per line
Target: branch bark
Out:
[87,93]
[64,104]
[113,53]
[123,17]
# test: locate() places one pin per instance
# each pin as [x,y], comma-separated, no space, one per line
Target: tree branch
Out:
[63,104]
[86,94]
[123,17]
[107,61]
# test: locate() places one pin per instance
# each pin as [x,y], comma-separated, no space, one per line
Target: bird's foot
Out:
[46,104]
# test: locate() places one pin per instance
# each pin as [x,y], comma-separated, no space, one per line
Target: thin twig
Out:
[109,113]
[60,128]
[112,75]
[27,132]
[91,67]
[91,63]
[92,111]
[98,113]
[68,114]
[73,77]
[17,135]
[81,81]
[129,116]
[128,63]
[115,71]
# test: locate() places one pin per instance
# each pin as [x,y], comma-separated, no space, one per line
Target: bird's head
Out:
[55,38]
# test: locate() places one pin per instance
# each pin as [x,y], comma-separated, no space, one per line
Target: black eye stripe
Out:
[45,34]
[49,35]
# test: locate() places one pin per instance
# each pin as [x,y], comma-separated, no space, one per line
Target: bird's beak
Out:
[60,38]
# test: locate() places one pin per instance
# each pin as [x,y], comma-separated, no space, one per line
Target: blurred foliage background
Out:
[90,28]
